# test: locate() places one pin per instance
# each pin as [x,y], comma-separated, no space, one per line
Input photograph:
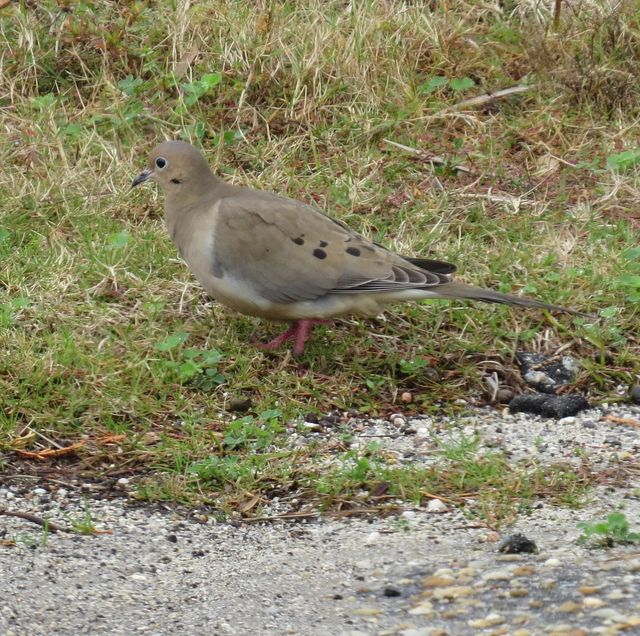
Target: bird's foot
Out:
[299,332]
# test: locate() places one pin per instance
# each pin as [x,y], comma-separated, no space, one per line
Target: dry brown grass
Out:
[309,91]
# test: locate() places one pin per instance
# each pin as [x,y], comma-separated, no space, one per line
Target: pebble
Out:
[398,420]
[455,591]
[437,506]
[609,614]
[504,395]
[569,606]
[438,581]
[524,570]
[425,608]
[489,621]
[371,538]
[368,611]
[498,575]
[616,595]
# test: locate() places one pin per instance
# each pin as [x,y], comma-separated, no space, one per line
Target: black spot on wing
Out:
[323,244]
[353,251]
[318,253]
[298,240]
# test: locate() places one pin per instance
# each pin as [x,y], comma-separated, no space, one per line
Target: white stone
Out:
[498,575]
[436,505]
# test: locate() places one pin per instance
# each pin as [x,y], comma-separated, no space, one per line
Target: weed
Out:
[32,540]
[615,530]
[191,365]
[83,524]
[254,433]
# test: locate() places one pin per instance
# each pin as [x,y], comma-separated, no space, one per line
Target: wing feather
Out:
[288,252]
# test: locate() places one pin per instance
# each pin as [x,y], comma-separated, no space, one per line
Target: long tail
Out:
[460,290]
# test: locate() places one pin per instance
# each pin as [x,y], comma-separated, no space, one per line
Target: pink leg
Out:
[299,331]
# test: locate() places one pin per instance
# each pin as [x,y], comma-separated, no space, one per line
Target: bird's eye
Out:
[161,163]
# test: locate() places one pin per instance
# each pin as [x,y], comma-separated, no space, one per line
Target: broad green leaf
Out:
[171,342]
[461,84]
[130,85]
[118,240]
[624,160]
[211,80]
[629,280]
[188,369]
[630,254]
[270,414]
[432,84]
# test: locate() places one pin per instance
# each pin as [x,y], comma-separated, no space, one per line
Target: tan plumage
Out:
[265,255]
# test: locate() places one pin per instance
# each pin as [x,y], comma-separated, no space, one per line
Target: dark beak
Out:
[141,178]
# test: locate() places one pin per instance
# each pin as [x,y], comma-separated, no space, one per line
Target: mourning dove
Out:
[273,257]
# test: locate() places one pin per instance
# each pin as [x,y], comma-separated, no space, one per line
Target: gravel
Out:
[160,571]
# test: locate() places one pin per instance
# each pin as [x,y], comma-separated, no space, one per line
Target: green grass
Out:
[298,98]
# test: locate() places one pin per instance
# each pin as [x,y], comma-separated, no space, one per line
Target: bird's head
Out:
[179,169]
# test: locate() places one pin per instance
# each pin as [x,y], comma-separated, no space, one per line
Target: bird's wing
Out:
[287,252]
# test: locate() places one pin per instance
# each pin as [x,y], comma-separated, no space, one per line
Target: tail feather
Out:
[469,292]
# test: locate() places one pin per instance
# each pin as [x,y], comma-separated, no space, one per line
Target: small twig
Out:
[284,517]
[621,420]
[432,159]
[428,495]
[47,525]
[481,100]
[556,15]
[514,201]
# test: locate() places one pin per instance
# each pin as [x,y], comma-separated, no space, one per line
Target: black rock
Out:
[238,404]
[557,406]
[547,373]
[634,394]
[517,544]
[390,590]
